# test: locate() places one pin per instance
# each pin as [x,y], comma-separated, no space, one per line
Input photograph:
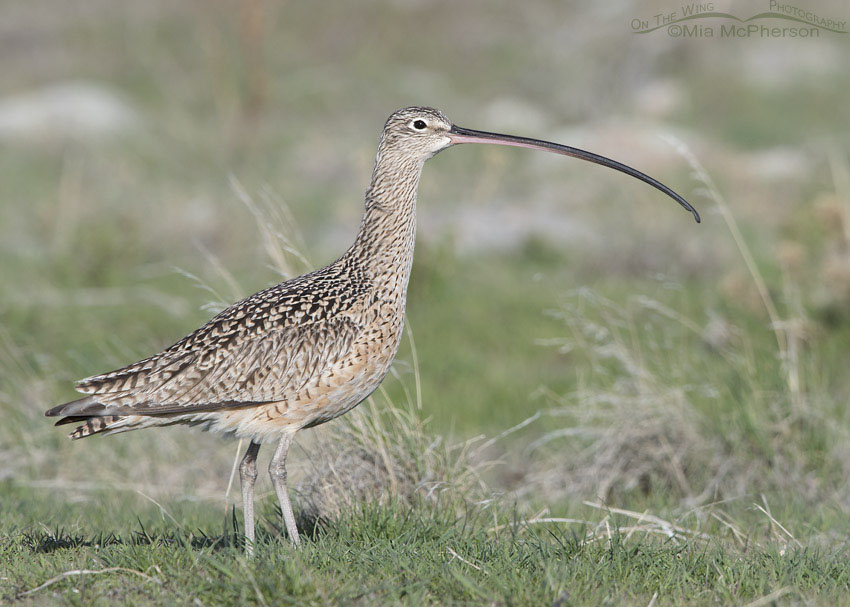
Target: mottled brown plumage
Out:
[304,351]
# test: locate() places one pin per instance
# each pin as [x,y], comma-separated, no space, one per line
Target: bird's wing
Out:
[260,350]
[267,367]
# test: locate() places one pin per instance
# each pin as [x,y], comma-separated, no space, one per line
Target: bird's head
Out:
[415,134]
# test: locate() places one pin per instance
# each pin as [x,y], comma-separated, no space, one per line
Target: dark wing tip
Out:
[71,420]
[55,411]
[83,406]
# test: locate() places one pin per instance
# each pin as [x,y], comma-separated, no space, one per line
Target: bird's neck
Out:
[384,244]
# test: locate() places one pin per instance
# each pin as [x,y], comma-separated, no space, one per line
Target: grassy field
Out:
[597,402]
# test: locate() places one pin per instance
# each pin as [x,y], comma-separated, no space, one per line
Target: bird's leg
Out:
[248,474]
[277,470]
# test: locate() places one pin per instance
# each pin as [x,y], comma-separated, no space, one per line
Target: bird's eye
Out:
[419,124]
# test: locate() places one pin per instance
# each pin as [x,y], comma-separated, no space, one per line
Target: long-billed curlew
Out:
[309,349]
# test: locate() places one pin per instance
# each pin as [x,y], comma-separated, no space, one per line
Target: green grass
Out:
[436,558]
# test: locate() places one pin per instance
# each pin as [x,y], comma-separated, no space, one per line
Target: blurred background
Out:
[159,160]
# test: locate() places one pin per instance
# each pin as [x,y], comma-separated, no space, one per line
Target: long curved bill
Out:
[461,135]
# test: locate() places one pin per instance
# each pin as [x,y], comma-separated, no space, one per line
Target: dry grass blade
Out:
[731,223]
[414,355]
[780,327]
[527,421]
[779,525]
[841,177]
[769,599]
[232,476]
[722,518]
[174,491]
[463,560]
[668,528]
[78,572]
[253,580]
[162,509]
[541,521]
[278,231]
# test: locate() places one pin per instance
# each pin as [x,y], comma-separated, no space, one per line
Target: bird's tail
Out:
[95,425]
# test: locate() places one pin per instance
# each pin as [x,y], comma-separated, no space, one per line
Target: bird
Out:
[306,350]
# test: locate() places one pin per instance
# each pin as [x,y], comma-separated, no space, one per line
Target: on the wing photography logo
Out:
[701,20]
